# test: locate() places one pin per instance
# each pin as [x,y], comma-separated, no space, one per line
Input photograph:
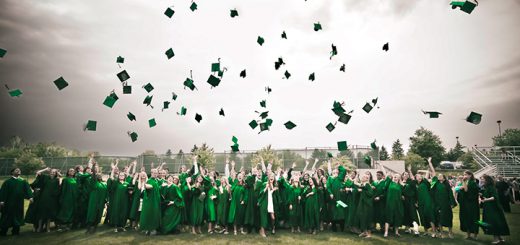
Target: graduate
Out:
[98,195]
[294,200]
[68,200]
[198,195]
[504,193]
[425,203]
[224,195]
[394,210]
[174,204]
[12,194]
[381,186]
[150,219]
[443,201]
[324,202]
[271,190]
[469,212]
[410,217]
[336,194]
[210,205]
[83,176]
[251,208]
[351,188]
[311,215]
[237,205]
[365,208]
[493,213]
[47,207]
[120,201]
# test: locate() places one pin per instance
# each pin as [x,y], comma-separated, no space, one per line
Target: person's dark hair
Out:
[380,172]
[470,173]
[489,180]
[13,169]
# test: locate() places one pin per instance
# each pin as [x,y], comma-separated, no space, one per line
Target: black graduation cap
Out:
[198,117]
[474,118]
[213,80]
[169,12]
[333,52]
[278,63]
[235,148]
[166,105]
[243,73]
[174,96]
[287,74]
[189,82]
[260,40]
[221,112]
[337,108]
[148,100]
[253,124]
[120,60]
[2,52]
[264,114]
[169,53]
[464,5]
[284,35]
[368,160]
[373,145]
[344,118]
[61,83]
[148,87]
[123,76]
[183,111]
[311,77]
[342,68]
[374,101]
[131,116]
[289,125]
[367,108]
[263,127]
[432,114]
[127,89]
[342,145]
[263,103]
[268,89]
[317,26]
[330,127]
[193,6]
[385,47]
[233,13]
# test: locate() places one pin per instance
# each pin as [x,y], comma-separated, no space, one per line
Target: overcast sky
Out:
[439,59]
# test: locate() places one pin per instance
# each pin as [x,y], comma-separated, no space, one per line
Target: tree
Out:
[206,155]
[28,163]
[417,162]
[383,154]
[168,153]
[397,150]
[426,144]
[510,137]
[454,153]
[268,155]
[288,157]
[467,161]
[318,154]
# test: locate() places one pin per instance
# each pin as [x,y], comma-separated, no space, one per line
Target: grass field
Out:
[105,235]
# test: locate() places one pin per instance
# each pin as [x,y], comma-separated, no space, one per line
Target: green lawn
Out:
[106,235]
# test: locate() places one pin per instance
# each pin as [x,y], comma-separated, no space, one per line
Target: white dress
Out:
[270,205]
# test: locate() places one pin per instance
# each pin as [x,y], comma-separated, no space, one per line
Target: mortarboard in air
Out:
[260,40]
[215,67]
[333,52]
[152,123]
[269,122]
[169,12]
[474,118]
[234,148]
[278,63]
[263,103]
[127,89]
[330,155]
[233,13]
[263,127]
[243,73]
[123,76]
[15,93]
[373,145]
[268,89]
[330,127]
[432,114]
[289,125]
[221,112]
[148,87]
[183,111]
[148,100]
[386,47]
[193,6]
[221,72]
[367,108]
[342,68]
[166,105]
[174,96]
[213,81]
[110,100]
[465,6]
[198,117]
[133,136]
[120,60]
[368,160]
[234,139]
[2,52]
[317,26]
[337,108]
[61,83]
[253,124]
[284,35]
[169,53]
[374,101]
[131,116]
[189,82]
[287,74]
[342,145]
[90,126]
[344,118]
[311,77]
[264,114]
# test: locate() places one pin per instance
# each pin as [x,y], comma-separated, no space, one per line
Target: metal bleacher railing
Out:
[500,160]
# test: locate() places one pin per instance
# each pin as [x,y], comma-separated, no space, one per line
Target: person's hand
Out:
[290,206]
[331,196]
[242,203]
[299,198]
[30,200]
[293,165]
[170,203]
[409,168]
[376,199]
[402,198]
[429,159]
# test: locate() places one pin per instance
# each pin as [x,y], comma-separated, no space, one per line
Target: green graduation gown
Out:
[120,204]
[469,212]
[425,204]
[150,219]
[83,181]
[379,205]
[48,205]
[210,205]
[172,215]
[96,201]
[493,213]
[68,200]
[12,194]
[250,213]
[236,209]
[196,213]
[365,208]
[410,199]
[443,200]
[222,206]
[352,203]
[335,187]
[311,215]
[394,210]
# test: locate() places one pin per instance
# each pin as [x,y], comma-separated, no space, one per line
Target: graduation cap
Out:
[221,112]
[127,89]
[198,117]
[269,122]
[169,12]
[268,89]
[133,136]
[148,100]
[166,105]
[284,35]
[90,126]
[317,26]
[263,103]
[2,52]
[174,96]
[123,76]
[120,60]
[264,114]
[289,125]
[193,6]
[233,13]
[264,127]
[432,114]
[183,111]
[148,87]
[374,101]
[287,74]
[333,52]
[330,127]
[215,67]
[169,53]
[367,108]
[385,47]
[368,160]
[465,6]
[152,123]
[373,145]
[311,77]
[61,83]
[253,124]
[474,118]
[213,80]
[330,155]
[337,108]
[234,148]
[189,82]
[483,225]
[342,145]
[131,116]
[14,92]
[243,73]
[278,63]
[260,40]
[110,100]
[344,118]
[342,68]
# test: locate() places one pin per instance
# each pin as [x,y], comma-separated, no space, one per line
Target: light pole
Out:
[457,137]
[499,129]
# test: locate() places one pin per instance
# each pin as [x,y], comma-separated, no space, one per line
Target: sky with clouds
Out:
[440,59]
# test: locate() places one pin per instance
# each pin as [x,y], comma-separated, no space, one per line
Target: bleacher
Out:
[503,160]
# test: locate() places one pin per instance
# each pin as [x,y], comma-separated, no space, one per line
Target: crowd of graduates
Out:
[262,199]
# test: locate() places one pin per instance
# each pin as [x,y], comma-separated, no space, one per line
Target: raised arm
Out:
[90,161]
[431,168]
[314,165]
[262,163]
[195,165]
[329,166]
[39,172]
[226,168]
[306,165]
